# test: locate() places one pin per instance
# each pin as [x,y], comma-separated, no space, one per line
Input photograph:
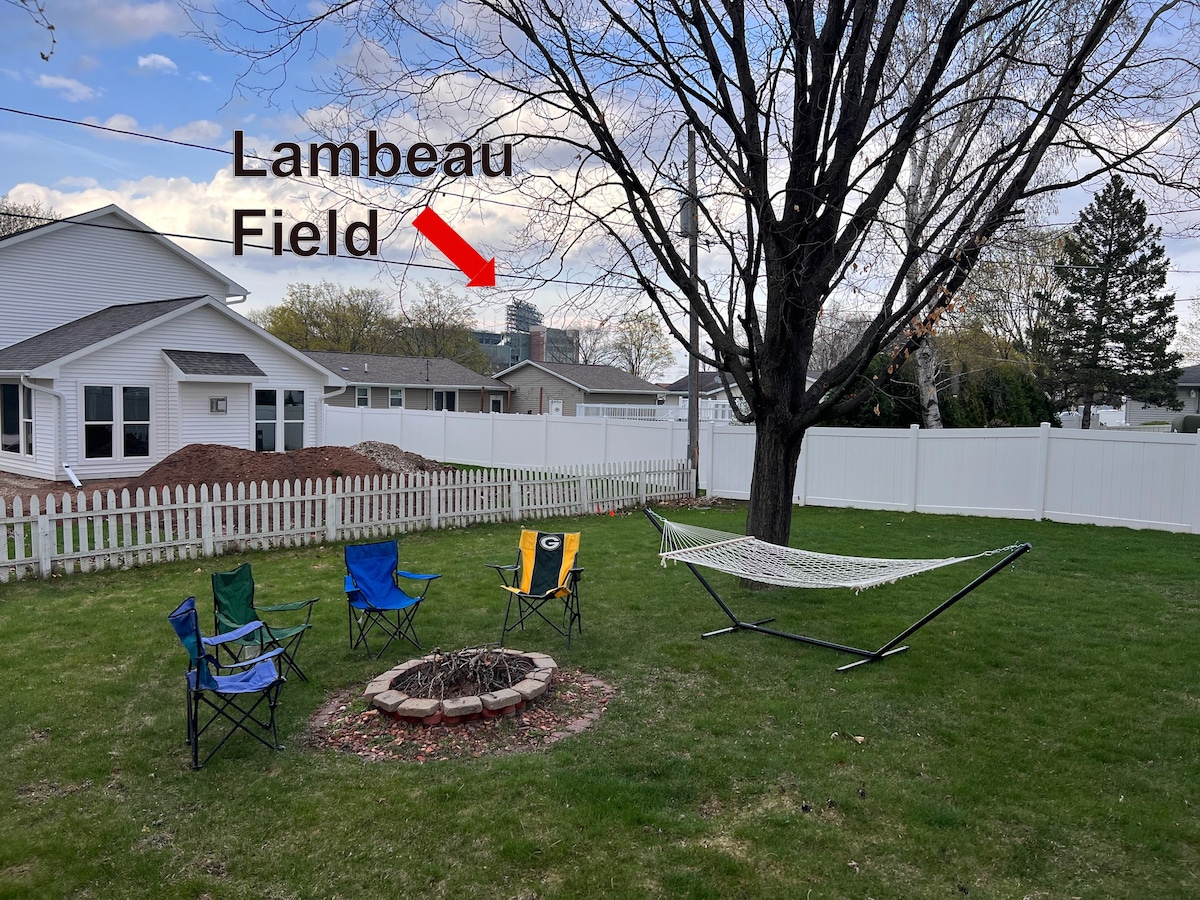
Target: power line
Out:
[378,260]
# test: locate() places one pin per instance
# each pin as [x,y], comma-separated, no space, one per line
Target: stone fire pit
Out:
[461,686]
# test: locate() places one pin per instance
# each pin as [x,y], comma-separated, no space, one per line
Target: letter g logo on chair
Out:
[550,542]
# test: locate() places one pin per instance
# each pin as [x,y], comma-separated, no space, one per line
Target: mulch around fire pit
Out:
[570,705]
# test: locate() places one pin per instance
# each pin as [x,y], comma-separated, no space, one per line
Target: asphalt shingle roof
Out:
[204,362]
[401,371]
[601,378]
[85,332]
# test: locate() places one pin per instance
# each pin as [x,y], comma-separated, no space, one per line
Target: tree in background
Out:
[16,217]
[640,346]
[328,316]
[36,10]
[1112,335]
[803,133]
[439,324]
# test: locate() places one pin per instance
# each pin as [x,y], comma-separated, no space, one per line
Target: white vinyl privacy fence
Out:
[82,532]
[1138,480]
[1135,479]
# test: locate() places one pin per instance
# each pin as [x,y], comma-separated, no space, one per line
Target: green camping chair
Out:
[234,607]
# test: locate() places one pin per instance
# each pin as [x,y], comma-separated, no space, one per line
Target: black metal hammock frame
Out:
[892,647]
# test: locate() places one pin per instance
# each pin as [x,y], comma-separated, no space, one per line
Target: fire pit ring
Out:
[383,695]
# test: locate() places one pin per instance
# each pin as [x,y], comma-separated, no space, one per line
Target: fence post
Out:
[435,479]
[1042,471]
[45,540]
[584,503]
[207,526]
[514,495]
[642,484]
[914,440]
[333,512]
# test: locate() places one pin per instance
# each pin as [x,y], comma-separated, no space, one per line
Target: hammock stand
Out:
[867,656]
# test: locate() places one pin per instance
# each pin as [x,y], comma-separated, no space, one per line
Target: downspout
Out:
[61,437]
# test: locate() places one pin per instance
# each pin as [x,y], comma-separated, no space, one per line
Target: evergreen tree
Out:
[1114,331]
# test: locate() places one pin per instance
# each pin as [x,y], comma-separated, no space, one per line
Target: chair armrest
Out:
[511,567]
[236,634]
[575,573]
[414,576]
[287,607]
[246,663]
[351,585]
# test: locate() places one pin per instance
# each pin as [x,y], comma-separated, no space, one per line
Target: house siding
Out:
[93,268]
[1137,413]
[175,412]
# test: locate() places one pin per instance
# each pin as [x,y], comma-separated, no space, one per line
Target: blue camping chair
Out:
[233,698]
[376,600]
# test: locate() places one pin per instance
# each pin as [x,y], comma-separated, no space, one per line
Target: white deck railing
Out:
[78,531]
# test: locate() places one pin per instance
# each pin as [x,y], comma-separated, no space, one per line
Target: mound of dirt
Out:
[216,464]
[394,459]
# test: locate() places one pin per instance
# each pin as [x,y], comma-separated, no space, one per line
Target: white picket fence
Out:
[82,532]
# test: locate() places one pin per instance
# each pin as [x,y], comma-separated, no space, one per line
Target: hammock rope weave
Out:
[748,557]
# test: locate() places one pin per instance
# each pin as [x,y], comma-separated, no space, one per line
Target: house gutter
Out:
[62,416]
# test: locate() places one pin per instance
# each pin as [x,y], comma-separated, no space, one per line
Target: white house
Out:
[119,347]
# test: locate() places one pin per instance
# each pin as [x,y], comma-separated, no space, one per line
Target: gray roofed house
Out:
[1187,394]
[558,388]
[98,374]
[378,381]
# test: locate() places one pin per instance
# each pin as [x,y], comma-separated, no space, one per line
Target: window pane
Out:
[137,440]
[362,396]
[27,417]
[396,398]
[264,406]
[450,398]
[98,441]
[10,418]
[293,406]
[293,435]
[264,437]
[136,404]
[97,404]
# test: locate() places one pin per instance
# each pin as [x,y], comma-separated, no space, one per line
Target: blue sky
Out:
[130,65]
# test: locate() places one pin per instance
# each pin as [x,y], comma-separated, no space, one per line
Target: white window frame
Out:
[281,422]
[497,403]
[395,394]
[24,433]
[118,421]
[362,396]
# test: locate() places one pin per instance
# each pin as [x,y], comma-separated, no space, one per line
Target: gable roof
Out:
[1189,377]
[87,334]
[402,371]
[708,382]
[591,379]
[89,220]
[206,362]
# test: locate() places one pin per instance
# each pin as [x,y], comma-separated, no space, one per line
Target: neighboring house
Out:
[107,368]
[376,381]
[1187,390]
[556,388]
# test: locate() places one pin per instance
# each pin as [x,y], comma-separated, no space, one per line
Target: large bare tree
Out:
[806,127]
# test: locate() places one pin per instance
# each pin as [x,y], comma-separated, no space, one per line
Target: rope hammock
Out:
[748,557]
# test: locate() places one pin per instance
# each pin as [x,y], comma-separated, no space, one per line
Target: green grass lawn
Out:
[1041,739]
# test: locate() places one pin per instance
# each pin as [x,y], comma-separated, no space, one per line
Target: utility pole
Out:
[693,232]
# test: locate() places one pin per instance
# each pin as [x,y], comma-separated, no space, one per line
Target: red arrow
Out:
[480,271]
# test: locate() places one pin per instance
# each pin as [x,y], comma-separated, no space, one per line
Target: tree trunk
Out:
[926,364]
[774,480]
[1087,410]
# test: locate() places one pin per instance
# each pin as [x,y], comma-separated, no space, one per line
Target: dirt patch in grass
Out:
[570,705]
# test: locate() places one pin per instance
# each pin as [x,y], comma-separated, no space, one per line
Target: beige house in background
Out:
[376,381]
[546,388]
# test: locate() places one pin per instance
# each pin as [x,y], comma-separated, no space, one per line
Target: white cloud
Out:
[201,131]
[156,62]
[70,89]
[200,76]
[119,23]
